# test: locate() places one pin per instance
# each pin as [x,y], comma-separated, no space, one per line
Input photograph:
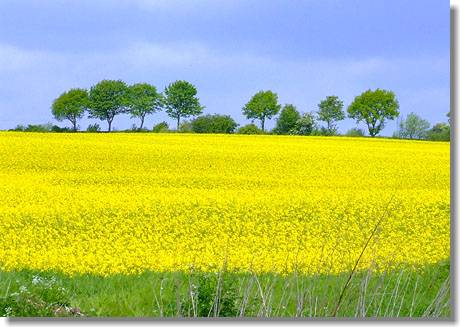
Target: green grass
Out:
[403,293]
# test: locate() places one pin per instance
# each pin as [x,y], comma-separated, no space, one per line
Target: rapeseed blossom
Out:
[126,203]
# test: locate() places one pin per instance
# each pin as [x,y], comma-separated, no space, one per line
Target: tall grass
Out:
[424,292]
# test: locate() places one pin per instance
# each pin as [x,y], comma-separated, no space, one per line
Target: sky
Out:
[304,50]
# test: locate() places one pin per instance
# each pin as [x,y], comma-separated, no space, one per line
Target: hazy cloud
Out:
[33,78]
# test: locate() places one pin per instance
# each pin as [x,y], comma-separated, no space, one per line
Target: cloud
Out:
[15,59]
[170,55]
[31,79]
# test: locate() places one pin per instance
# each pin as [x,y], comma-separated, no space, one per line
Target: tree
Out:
[331,111]
[107,99]
[305,125]
[214,124]
[287,120]
[180,100]
[263,105]
[70,105]
[373,108]
[249,129]
[439,132]
[413,127]
[143,99]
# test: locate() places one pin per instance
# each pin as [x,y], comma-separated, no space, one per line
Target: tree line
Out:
[109,98]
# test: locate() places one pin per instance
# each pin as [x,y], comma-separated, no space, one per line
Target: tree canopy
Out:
[180,100]
[143,99]
[331,111]
[287,119]
[214,124]
[439,132]
[70,105]
[413,127]
[374,108]
[249,129]
[107,99]
[263,105]
[305,125]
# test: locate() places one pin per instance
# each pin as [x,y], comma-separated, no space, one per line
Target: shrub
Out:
[93,128]
[42,297]
[223,289]
[323,131]
[185,127]
[439,132]
[40,128]
[216,295]
[287,120]
[160,127]
[223,124]
[306,125]
[355,132]
[317,132]
[58,129]
[18,128]
[134,129]
[250,129]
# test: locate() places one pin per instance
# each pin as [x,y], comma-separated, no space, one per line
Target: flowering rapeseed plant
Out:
[125,203]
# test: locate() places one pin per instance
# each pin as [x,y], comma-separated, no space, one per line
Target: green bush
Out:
[287,120]
[223,124]
[135,129]
[215,295]
[185,127]
[41,297]
[218,295]
[40,128]
[58,129]
[355,132]
[160,127]
[18,128]
[93,128]
[250,129]
[306,125]
[322,131]
[439,132]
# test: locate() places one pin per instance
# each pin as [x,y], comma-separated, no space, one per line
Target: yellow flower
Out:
[125,203]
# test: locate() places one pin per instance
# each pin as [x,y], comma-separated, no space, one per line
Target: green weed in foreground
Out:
[403,293]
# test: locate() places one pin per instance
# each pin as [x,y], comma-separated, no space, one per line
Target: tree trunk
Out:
[263,124]
[74,125]
[370,129]
[178,122]
[110,125]
[142,122]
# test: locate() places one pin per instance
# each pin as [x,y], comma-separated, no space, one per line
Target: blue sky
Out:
[303,50]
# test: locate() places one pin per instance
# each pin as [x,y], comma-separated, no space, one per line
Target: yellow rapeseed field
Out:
[125,203]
